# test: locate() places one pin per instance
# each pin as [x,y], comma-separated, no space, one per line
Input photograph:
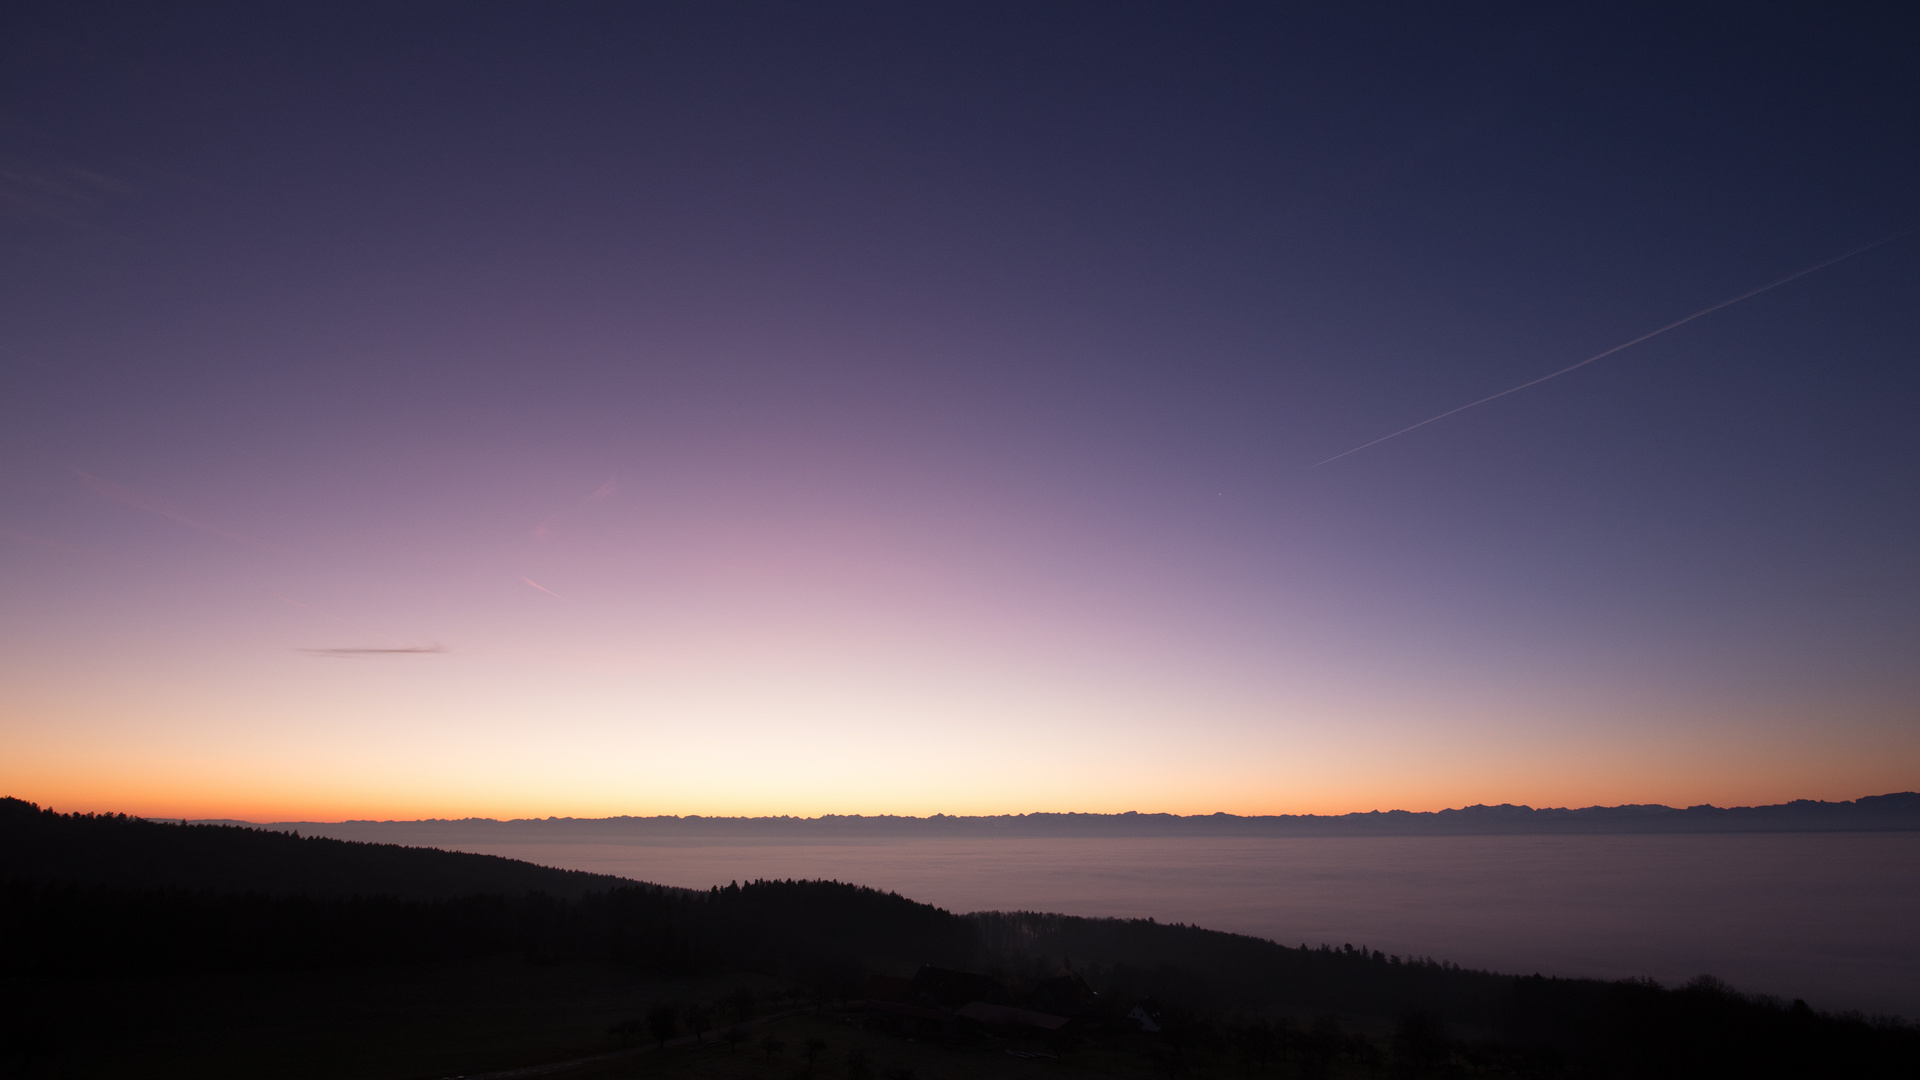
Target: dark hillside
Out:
[1572,1027]
[130,853]
[110,894]
[1210,970]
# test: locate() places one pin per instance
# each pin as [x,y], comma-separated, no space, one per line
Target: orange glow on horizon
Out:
[240,801]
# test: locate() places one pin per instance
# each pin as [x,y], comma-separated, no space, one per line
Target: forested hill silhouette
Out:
[106,894]
[1899,811]
[131,853]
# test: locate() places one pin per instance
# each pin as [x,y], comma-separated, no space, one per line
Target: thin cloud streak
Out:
[406,650]
[127,496]
[1618,348]
[37,541]
[543,588]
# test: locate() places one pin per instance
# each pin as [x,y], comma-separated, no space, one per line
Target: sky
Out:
[593,409]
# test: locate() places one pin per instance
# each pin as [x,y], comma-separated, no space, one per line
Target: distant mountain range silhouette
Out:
[1899,811]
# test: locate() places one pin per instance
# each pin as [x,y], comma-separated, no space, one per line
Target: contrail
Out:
[604,490]
[543,588]
[1630,344]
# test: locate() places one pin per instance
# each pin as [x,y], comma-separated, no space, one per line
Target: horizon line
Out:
[1162,814]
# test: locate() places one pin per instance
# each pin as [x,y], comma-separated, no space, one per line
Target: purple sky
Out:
[445,410]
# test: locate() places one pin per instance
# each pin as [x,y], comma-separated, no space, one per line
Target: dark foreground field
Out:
[139,949]
[844,1045]
[399,1022]
[509,1016]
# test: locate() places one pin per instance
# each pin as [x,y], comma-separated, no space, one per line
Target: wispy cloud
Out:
[354,652]
[37,541]
[45,188]
[543,588]
[139,500]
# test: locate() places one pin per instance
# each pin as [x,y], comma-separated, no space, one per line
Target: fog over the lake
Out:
[1824,913]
